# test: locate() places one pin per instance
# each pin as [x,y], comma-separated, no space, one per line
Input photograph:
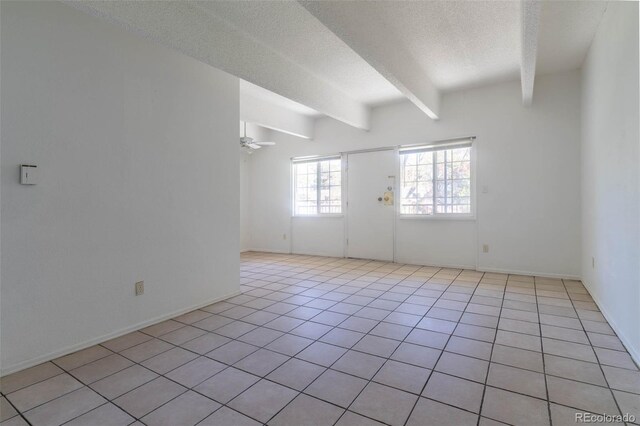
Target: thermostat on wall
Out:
[29,174]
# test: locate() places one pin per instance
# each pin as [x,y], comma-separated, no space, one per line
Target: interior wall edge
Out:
[95,341]
[635,353]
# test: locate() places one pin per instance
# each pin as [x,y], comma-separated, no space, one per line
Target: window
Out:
[317,186]
[436,180]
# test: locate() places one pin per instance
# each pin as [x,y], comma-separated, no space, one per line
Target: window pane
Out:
[416,186]
[425,209]
[461,154]
[318,187]
[424,158]
[460,170]
[447,182]
[305,178]
[453,181]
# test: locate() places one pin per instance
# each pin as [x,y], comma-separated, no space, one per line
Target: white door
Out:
[370,218]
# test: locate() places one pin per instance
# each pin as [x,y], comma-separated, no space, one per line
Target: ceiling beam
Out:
[350,22]
[275,117]
[199,33]
[530,25]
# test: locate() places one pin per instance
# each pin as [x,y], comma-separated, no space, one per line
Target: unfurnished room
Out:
[326,212]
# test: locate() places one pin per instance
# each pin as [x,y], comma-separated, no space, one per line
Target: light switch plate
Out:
[29,174]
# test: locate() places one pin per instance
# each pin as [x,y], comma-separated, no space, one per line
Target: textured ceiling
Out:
[457,44]
[287,28]
[422,48]
[566,31]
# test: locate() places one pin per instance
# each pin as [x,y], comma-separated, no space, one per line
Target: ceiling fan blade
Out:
[254,146]
[265,143]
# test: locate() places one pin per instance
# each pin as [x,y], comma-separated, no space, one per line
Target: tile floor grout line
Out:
[484,304]
[231,365]
[538,314]
[18,413]
[52,399]
[493,345]
[615,400]
[352,375]
[87,385]
[317,340]
[382,291]
[504,292]
[445,345]
[107,402]
[544,368]
[471,338]
[346,409]
[401,342]
[518,332]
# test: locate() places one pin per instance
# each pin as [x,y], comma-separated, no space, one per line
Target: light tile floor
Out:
[323,341]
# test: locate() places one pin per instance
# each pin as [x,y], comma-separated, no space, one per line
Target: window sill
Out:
[465,218]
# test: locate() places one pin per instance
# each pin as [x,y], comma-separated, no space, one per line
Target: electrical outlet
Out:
[485,248]
[139,288]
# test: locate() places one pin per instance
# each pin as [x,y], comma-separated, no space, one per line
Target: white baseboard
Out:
[634,352]
[264,250]
[531,273]
[439,265]
[320,254]
[83,345]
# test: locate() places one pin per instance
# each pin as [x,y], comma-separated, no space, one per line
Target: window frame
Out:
[433,148]
[317,159]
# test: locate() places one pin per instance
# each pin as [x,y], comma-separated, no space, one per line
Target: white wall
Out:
[611,172]
[138,152]
[258,133]
[527,157]
[245,200]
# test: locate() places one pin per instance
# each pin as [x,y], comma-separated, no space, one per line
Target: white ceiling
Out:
[339,58]
[457,44]
[287,28]
[566,31]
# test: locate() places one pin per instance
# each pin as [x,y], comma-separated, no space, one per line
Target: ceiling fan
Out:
[250,144]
